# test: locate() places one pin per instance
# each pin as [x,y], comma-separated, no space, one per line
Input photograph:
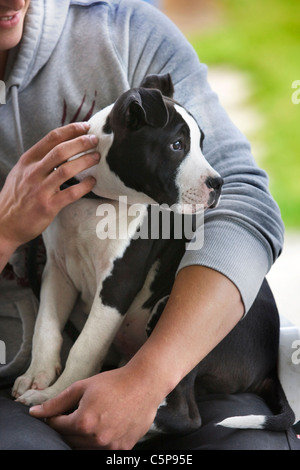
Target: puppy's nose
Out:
[215,183]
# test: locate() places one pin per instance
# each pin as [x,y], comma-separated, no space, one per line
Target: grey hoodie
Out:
[77,57]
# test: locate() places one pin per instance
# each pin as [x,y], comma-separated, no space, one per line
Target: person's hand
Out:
[31,196]
[115,409]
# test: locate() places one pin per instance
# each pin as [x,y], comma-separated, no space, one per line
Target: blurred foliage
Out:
[263,39]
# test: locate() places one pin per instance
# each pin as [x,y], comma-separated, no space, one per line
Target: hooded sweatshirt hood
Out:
[43,26]
[42,30]
[48,74]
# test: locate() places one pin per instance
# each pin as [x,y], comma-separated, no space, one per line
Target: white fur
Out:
[244,422]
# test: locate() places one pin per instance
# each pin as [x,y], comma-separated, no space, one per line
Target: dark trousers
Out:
[19,431]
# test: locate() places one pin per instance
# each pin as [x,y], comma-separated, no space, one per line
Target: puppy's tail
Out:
[275,397]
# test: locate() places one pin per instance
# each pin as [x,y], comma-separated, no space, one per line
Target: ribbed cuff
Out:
[231,249]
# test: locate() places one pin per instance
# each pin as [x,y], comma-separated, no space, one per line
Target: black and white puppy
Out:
[150,150]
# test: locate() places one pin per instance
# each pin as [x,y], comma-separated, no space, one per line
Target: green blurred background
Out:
[260,38]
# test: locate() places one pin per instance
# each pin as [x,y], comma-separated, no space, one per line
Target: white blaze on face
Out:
[193,171]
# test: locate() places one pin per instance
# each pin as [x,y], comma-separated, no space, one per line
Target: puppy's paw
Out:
[35,380]
[21,384]
[34,397]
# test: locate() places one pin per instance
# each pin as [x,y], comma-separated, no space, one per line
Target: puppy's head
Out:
[151,150]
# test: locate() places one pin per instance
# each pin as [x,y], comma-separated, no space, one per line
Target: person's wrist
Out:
[152,374]
[8,244]
[7,248]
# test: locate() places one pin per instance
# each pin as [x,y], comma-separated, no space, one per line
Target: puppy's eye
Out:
[177,145]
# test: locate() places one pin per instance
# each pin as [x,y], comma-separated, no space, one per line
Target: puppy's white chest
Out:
[87,237]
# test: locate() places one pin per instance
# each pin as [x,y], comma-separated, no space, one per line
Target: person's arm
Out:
[31,196]
[244,234]
[116,408]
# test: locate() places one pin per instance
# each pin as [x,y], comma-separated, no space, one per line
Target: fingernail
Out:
[35,408]
[92,180]
[96,156]
[93,139]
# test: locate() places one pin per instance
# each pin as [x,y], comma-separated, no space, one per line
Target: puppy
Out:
[151,153]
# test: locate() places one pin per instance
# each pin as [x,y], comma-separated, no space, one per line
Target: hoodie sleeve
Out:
[243,236]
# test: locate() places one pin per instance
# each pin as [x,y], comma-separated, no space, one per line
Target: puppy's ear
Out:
[145,107]
[154,107]
[160,82]
[138,107]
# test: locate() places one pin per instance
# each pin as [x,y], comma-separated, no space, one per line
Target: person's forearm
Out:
[203,308]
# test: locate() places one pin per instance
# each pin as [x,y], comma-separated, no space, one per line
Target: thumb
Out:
[62,403]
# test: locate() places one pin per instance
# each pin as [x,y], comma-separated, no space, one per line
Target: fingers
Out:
[55,138]
[69,425]
[79,429]
[73,193]
[60,145]
[62,403]
[70,169]
[62,152]
[74,431]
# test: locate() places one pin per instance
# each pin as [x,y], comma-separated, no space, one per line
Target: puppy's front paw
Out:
[35,380]
[21,384]
[35,397]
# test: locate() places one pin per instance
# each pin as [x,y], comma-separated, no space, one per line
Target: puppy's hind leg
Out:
[58,296]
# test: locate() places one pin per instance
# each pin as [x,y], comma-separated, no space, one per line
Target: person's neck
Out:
[3,59]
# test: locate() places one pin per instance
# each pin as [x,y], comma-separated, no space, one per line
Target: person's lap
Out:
[19,431]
